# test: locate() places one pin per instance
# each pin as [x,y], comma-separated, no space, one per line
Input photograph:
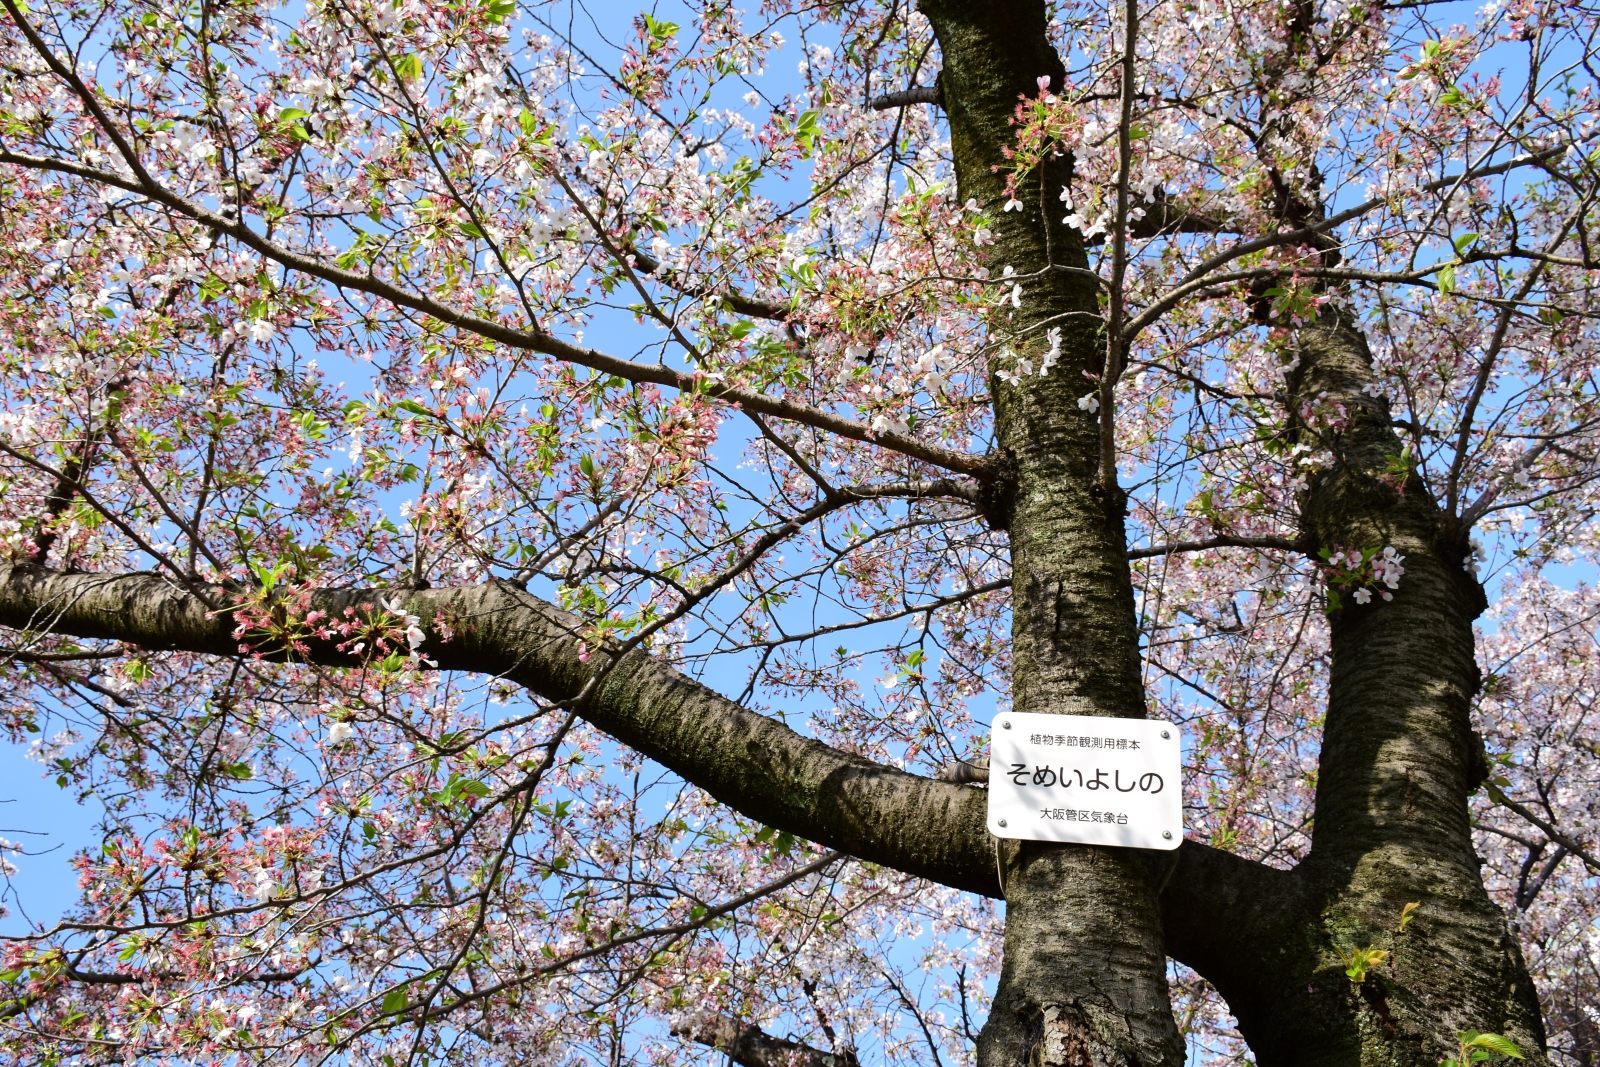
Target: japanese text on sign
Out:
[1085,779]
[1043,775]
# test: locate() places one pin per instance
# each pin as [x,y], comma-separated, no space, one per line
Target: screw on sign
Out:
[1087,780]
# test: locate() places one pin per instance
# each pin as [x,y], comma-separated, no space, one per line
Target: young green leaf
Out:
[1494,1043]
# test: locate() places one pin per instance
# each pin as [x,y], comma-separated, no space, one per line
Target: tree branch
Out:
[1222,914]
[1590,859]
[753,764]
[528,340]
[761,768]
[750,1046]
[916,94]
[731,298]
[1281,544]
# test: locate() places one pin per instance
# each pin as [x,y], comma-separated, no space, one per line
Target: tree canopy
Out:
[518,517]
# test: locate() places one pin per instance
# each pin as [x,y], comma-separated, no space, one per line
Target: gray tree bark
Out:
[1084,974]
[1398,762]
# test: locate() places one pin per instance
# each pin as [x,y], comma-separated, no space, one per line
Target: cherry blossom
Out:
[345,332]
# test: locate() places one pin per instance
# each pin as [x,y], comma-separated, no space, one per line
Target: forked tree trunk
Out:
[1398,762]
[1088,930]
[1083,980]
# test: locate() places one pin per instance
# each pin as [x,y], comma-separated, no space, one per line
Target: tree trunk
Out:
[1398,762]
[1378,949]
[1084,976]
[1398,758]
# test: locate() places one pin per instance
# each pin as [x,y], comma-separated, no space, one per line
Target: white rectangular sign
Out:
[1085,779]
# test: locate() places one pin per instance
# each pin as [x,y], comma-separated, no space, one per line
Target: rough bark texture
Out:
[751,762]
[1084,977]
[750,1046]
[1398,761]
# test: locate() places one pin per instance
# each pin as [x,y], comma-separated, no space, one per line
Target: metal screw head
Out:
[1166,733]
[1003,822]
[1005,724]
[1166,834]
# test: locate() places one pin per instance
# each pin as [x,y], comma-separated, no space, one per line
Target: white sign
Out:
[1085,779]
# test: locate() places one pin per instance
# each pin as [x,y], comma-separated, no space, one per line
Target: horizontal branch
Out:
[1282,544]
[752,763]
[1228,917]
[917,94]
[730,298]
[1167,215]
[1201,276]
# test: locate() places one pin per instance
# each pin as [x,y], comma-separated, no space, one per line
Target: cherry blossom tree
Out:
[520,515]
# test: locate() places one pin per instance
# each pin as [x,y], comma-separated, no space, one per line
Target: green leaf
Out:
[471,229]
[293,114]
[1362,960]
[409,68]
[806,131]
[660,31]
[238,771]
[1463,242]
[1447,278]
[394,1002]
[413,407]
[1495,1043]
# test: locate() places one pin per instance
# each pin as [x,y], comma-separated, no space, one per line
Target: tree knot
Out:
[997,491]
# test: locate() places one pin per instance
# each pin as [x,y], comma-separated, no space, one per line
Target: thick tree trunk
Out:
[1084,974]
[1084,977]
[1398,761]
[1398,757]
